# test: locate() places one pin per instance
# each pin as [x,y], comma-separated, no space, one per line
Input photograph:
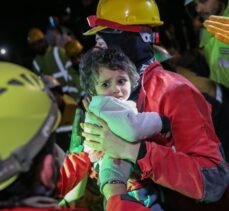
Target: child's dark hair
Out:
[112,58]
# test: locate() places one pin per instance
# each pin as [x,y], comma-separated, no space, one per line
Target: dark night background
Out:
[17,17]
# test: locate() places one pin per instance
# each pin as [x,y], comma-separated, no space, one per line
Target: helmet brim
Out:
[94,30]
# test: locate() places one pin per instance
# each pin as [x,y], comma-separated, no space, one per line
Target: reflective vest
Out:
[217,56]
[54,62]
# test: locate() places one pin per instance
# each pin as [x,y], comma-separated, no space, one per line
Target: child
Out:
[109,77]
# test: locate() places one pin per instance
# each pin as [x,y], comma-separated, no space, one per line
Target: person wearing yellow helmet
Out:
[52,60]
[73,47]
[31,172]
[35,35]
[193,146]
[74,51]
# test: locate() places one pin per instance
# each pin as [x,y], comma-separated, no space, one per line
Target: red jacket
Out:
[190,162]
[75,167]
[124,203]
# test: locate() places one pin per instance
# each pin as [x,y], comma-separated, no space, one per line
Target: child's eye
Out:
[105,85]
[122,81]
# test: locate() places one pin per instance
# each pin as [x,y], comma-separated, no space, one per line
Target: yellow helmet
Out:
[127,12]
[35,35]
[28,115]
[73,47]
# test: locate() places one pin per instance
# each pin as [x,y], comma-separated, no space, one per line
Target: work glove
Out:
[113,171]
[219,27]
[76,138]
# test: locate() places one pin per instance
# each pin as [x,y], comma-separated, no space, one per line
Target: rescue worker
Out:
[178,162]
[216,52]
[53,61]
[215,93]
[74,50]
[34,172]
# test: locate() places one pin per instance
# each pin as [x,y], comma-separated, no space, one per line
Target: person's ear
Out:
[46,171]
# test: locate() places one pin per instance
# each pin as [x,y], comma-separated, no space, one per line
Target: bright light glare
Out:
[3,51]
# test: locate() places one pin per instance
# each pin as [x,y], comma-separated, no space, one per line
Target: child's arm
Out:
[125,121]
[115,190]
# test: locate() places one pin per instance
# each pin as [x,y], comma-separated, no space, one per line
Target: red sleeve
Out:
[75,167]
[124,203]
[191,163]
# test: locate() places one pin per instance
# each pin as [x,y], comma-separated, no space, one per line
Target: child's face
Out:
[114,83]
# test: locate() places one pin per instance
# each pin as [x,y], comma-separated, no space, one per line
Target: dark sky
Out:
[17,17]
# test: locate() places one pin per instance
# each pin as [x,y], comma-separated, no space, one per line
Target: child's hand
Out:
[86,102]
[219,27]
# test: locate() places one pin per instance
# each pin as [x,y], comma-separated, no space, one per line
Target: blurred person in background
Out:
[52,61]
[56,34]
[215,52]
[34,172]
[74,51]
